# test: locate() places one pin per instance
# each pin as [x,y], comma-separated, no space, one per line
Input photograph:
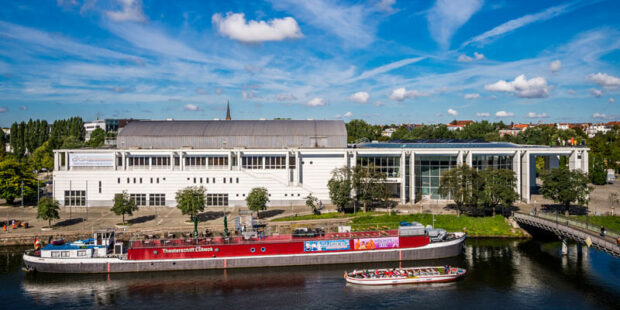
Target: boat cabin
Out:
[98,246]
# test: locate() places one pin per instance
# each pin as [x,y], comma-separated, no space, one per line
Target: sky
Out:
[384,61]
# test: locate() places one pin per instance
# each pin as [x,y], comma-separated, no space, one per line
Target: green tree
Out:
[71,142]
[191,200]
[43,157]
[97,138]
[311,202]
[48,210]
[257,199]
[498,188]
[461,184]
[340,188]
[12,175]
[597,171]
[369,185]
[123,204]
[358,129]
[565,187]
[3,141]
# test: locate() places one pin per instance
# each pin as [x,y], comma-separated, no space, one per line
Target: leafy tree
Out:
[97,138]
[499,188]
[598,173]
[257,199]
[48,210]
[17,139]
[370,186]
[3,141]
[461,184]
[43,157]
[311,202]
[71,142]
[191,200]
[565,187]
[358,129]
[123,204]
[340,187]
[12,175]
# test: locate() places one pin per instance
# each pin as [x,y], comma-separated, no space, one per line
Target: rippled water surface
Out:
[501,275]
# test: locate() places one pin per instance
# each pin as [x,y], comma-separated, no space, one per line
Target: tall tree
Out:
[597,171]
[565,187]
[48,210]
[124,204]
[340,188]
[3,141]
[461,184]
[369,185]
[358,129]
[498,188]
[12,175]
[257,199]
[42,157]
[97,138]
[191,200]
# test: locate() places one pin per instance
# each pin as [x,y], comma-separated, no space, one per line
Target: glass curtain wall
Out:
[481,162]
[428,170]
[389,165]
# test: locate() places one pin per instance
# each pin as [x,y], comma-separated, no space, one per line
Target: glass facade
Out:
[428,170]
[389,165]
[481,162]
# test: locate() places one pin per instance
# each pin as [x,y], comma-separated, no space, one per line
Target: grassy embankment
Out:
[611,222]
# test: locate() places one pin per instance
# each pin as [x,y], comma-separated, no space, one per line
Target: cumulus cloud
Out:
[599,115]
[248,94]
[190,107]
[131,10]
[23,107]
[401,94]
[3,109]
[234,26]
[453,112]
[555,66]
[472,96]
[604,80]
[483,114]
[445,18]
[316,102]
[596,92]
[386,5]
[286,97]
[360,97]
[522,87]
[465,58]
[612,100]
[504,114]
[348,114]
[534,115]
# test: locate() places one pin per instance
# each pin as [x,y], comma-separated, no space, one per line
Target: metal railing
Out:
[560,219]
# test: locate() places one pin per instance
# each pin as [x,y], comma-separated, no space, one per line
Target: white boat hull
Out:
[392,280]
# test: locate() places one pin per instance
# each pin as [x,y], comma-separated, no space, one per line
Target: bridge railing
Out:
[565,221]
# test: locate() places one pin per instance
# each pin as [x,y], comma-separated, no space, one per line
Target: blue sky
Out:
[386,61]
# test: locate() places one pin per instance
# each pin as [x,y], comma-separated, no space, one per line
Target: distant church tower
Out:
[227,110]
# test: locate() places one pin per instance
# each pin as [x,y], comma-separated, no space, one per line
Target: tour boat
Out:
[102,254]
[412,275]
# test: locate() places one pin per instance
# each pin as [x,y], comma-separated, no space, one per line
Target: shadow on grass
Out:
[142,219]
[209,215]
[269,213]
[69,222]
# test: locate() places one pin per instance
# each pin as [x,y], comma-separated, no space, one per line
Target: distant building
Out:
[562,126]
[459,125]
[92,126]
[388,132]
[509,131]
[597,128]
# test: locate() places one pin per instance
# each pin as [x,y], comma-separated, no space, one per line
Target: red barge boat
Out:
[102,255]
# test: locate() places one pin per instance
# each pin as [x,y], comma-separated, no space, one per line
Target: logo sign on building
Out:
[376,243]
[326,245]
[91,159]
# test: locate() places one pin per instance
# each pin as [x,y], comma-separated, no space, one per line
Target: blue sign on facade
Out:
[326,245]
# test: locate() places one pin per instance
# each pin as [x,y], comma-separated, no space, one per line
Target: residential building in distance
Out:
[89,127]
[458,125]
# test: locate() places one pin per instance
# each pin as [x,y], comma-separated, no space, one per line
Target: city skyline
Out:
[383,61]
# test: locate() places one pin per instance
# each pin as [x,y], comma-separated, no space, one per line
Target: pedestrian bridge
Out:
[566,228]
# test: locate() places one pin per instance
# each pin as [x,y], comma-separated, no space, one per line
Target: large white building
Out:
[291,158]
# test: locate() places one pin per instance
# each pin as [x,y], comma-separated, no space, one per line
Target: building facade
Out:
[292,159]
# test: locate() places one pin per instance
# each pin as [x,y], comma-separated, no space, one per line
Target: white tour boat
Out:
[404,275]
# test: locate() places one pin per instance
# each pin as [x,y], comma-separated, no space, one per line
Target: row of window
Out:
[75,198]
[56,254]
[135,181]
[212,180]
[267,162]
[154,199]
[388,165]
[216,199]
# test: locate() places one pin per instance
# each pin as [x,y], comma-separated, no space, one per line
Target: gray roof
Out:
[229,134]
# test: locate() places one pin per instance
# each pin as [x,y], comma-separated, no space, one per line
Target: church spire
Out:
[227,110]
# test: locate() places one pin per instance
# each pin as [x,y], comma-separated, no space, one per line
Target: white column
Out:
[171,160]
[297,167]
[124,162]
[585,161]
[516,167]
[66,161]
[56,161]
[459,158]
[150,163]
[469,158]
[412,178]
[288,172]
[263,161]
[229,160]
[238,160]
[572,161]
[403,196]
[182,161]
[354,162]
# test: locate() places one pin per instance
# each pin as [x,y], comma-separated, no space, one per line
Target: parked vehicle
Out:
[611,176]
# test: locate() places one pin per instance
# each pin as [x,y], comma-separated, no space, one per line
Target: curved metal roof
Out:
[229,134]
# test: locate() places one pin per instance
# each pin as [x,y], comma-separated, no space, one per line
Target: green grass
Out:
[475,226]
[331,215]
[610,222]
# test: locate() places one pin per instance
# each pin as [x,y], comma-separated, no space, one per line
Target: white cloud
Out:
[555,66]
[523,21]
[23,107]
[612,100]
[401,94]
[190,107]
[316,102]
[504,114]
[286,97]
[378,103]
[465,58]
[534,115]
[596,92]
[522,87]
[386,5]
[234,26]
[131,10]
[201,91]
[445,18]
[248,94]
[604,80]
[386,68]
[360,97]
[3,109]
[348,114]
[483,114]
[472,96]
[218,91]
[571,91]
[453,112]
[599,115]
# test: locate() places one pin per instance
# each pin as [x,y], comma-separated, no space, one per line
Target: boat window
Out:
[217,249]
[252,250]
[81,253]
[155,252]
[64,254]
[262,249]
[55,254]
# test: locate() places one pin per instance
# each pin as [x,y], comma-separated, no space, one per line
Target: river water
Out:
[502,274]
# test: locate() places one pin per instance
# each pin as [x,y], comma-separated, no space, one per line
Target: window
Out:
[252,162]
[196,161]
[160,161]
[140,180]
[75,198]
[99,187]
[213,180]
[230,180]
[138,161]
[64,254]
[388,165]
[218,162]
[134,180]
[194,180]
[237,180]
[275,162]
[119,180]
[158,180]
[55,254]
[224,180]
[127,180]
[151,180]
[81,253]
[200,180]
[207,180]
[481,162]
[157,199]
[217,199]
[139,199]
